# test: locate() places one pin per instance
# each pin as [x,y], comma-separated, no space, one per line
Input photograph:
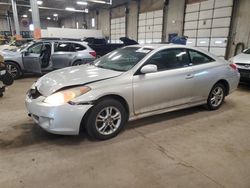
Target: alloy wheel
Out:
[12,70]
[108,120]
[217,96]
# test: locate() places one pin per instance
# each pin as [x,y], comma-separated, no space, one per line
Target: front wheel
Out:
[106,119]
[216,97]
[13,69]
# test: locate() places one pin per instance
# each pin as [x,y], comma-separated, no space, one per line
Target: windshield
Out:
[122,59]
[247,51]
[19,49]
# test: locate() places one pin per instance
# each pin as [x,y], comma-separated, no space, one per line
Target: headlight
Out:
[62,97]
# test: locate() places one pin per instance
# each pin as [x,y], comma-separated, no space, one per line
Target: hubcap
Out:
[217,96]
[108,120]
[12,70]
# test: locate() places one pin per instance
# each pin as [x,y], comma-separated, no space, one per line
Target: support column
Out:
[16,21]
[35,19]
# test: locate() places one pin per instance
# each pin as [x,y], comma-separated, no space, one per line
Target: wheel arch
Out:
[109,96]
[11,61]
[225,84]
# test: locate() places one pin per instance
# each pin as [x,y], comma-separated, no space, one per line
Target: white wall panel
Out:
[206,14]
[192,16]
[192,7]
[223,12]
[203,41]
[158,21]
[221,22]
[158,14]
[223,3]
[218,42]
[191,42]
[190,33]
[205,24]
[220,32]
[206,5]
[218,51]
[191,25]
[203,33]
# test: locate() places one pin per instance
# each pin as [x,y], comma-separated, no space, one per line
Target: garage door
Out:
[118,29]
[207,25]
[150,27]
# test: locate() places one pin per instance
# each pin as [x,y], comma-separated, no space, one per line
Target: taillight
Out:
[233,66]
[93,53]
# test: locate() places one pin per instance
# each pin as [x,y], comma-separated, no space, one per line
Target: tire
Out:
[216,97]
[14,70]
[106,119]
[77,63]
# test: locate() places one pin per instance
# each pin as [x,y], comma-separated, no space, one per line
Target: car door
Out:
[170,86]
[205,74]
[63,54]
[31,58]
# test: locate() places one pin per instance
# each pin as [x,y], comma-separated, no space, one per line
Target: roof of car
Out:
[159,45]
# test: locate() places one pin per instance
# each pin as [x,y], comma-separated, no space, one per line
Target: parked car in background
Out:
[102,47]
[127,84]
[242,61]
[47,55]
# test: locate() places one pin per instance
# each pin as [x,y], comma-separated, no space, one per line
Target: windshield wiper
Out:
[109,68]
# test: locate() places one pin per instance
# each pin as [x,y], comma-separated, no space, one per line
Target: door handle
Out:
[189,76]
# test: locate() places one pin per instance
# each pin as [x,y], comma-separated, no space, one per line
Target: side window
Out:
[78,47]
[197,58]
[36,48]
[63,47]
[170,59]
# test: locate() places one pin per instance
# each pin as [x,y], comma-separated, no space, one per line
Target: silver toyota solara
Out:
[127,84]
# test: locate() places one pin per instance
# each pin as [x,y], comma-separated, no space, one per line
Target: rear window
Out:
[198,58]
[63,47]
[247,51]
[79,47]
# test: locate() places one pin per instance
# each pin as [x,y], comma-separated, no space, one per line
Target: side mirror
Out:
[150,68]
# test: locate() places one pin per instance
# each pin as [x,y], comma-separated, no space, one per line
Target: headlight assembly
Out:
[62,97]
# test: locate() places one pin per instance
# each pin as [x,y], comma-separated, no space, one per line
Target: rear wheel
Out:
[13,69]
[77,63]
[106,119]
[216,96]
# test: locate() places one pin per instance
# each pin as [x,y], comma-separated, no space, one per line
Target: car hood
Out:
[72,76]
[242,58]
[9,53]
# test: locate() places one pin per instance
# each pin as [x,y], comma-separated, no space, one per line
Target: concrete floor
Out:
[188,148]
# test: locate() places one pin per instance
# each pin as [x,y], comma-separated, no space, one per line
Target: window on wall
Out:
[118,29]
[207,25]
[150,27]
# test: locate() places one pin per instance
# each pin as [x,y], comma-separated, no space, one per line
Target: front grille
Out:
[244,71]
[34,93]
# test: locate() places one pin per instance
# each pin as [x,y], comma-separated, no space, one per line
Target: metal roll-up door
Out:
[150,27]
[207,25]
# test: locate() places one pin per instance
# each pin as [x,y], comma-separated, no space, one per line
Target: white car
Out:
[242,61]
[127,84]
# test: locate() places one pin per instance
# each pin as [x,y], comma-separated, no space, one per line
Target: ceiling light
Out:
[70,9]
[24,16]
[55,15]
[81,3]
[30,10]
[102,2]
[39,2]
[48,18]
